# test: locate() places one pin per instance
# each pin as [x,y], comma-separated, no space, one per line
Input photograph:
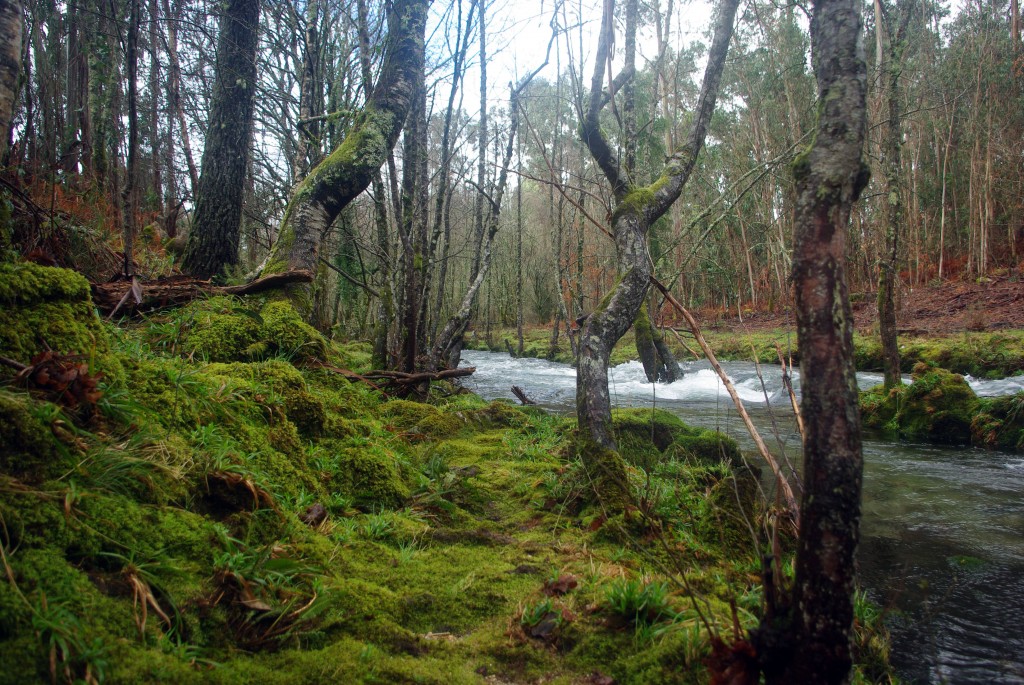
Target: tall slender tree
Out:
[808,639]
[11,23]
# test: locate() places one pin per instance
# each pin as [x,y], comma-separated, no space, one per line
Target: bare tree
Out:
[636,208]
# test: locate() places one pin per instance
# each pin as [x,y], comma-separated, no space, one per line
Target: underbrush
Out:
[184,508]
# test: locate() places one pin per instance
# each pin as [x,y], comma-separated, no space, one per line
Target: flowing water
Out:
[943,529]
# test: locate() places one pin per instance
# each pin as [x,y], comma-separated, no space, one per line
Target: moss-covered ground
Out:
[226,511]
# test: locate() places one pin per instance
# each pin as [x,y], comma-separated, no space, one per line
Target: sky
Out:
[519,32]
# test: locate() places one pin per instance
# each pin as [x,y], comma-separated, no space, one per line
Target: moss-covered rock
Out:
[999,423]
[647,436]
[225,329]
[287,334]
[371,474]
[45,308]
[29,448]
[938,407]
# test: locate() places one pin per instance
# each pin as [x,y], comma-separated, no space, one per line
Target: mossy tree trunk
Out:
[809,641]
[890,67]
[217,225]
[658,361]
[636,208]
[350,168]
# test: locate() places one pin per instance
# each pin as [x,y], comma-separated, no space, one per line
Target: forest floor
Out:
[987,304]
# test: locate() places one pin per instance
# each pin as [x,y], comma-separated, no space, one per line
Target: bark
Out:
[659,363]
[809,641]
[174,94]
[350,168]
[413,227]
[890,70]
[128,192]
[11,23]
[636,209]
[216,228]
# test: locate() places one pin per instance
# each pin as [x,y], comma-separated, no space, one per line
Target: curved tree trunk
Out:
[809,642]
[217,225]
[636,209]
[350,168]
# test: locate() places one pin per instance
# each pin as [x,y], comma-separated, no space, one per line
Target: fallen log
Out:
[173,291]
[401,377]
[399,382]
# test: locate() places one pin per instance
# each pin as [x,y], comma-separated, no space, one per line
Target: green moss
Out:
[938,406]
[371,475]
[636,202]
[287,334]
[406,414]
[999,423]
[29,450]
[647,436]
[220,330]
[224,329]
[48,308]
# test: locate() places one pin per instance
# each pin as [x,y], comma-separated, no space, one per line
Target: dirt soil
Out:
[993,304]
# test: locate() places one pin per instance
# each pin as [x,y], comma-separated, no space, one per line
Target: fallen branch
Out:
[521,395]
[130,297]
[780,478]
[787,381]
[404,378]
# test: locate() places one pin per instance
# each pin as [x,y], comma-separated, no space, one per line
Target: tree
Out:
[213,242]
[636,208]
[11,23]
[808,641]
[889,65]
[349,169]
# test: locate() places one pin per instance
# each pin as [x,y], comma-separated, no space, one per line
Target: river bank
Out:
[206,496]
[968,327]
[941,552]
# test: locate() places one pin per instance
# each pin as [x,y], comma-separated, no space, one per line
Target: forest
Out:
[252,250]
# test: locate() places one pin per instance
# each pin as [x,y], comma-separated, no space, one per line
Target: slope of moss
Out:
[248,520]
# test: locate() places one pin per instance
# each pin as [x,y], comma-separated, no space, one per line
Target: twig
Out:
[788,382]
[781,480]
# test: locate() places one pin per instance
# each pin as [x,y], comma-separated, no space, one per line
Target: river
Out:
[943,528]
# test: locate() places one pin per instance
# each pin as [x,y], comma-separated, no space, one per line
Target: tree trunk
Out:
[890,69]
[174,94]
[128,192]
[350,168]
[636,209]
[812,643]
[11,22]
[216,228]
